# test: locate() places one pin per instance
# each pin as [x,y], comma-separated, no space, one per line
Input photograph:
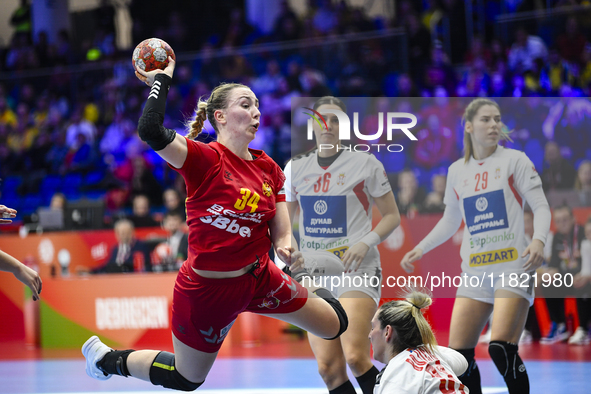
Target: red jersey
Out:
[230,202]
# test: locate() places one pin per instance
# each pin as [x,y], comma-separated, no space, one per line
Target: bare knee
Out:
[332,373]
[358,362]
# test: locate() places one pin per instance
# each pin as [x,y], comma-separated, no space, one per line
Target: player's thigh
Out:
[360,309]
[192,364]
[467,321]
[509,316]
[316,316]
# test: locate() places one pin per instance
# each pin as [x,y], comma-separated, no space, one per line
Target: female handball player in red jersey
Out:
[235,211]
[488,189]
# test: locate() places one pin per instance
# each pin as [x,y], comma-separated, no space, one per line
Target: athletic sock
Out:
[115,362]
[367,381]
[345,388]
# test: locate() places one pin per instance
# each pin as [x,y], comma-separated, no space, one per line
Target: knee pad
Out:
[507,360]
[338,308]
[163,373]
[510,365]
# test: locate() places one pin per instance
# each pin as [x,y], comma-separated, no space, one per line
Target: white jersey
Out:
[490,195]
[417,371]
[336,202]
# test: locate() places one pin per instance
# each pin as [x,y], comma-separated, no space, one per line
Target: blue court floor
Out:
[260,376]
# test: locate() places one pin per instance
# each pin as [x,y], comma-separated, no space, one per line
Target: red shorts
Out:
[204,309]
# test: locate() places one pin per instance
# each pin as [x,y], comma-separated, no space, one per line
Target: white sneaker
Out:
[558,333]
[526,338]
[580,337]
[94,351]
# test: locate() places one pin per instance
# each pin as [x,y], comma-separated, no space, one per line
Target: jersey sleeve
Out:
[377,183]
[526,176]
[451,196]
[290,194]
[442,384]
[454,359]
[279,179]
[451,220]
[199,160]
[542,217]
[439,379]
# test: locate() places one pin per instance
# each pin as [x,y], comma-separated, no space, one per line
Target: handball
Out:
[320,263]
[151,54]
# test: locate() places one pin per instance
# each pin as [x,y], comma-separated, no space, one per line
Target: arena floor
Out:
[282,367]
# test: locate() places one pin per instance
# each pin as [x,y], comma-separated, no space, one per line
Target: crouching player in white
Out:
[335,190]
[487,188]
[403,339]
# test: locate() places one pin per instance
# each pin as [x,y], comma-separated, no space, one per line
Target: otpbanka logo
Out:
[345,129]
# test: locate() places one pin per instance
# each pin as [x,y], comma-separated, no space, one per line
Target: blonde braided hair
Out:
[196,125]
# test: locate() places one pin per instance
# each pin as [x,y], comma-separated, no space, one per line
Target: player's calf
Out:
[102,362]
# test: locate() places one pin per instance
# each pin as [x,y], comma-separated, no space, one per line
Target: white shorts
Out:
[367,280]
[474,287]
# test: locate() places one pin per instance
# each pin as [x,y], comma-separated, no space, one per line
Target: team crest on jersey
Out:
[465,183]
[267,191]
[341,180]
[498,173]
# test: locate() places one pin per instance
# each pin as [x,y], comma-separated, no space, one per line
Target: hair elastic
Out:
[412,304]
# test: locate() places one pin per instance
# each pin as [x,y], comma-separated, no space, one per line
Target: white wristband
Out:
[371,239]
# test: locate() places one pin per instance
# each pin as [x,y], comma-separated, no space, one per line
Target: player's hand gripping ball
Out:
[151,54]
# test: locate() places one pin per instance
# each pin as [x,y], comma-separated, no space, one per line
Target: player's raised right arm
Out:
[444,229]
[171,146]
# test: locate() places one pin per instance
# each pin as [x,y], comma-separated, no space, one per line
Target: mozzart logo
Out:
[345,129]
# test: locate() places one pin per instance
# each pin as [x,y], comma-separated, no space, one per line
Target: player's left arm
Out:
[7,214]
[542,219]
[23,273]
[528,181]
[282,238]
[390,220]
[377,185]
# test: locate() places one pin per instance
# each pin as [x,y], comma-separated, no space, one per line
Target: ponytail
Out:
[406,318]
[196,126]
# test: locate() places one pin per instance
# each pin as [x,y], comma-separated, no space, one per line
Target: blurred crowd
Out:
[69,110]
